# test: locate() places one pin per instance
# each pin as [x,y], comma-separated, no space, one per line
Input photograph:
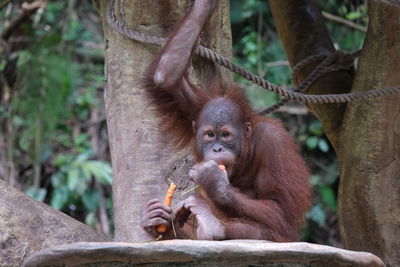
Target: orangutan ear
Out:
[248,129]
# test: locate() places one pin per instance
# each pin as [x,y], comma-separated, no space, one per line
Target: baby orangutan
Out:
[264,192]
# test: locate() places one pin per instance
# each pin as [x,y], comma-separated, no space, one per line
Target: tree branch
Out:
[279,63]
[343,21]
[28,10]
[5,3]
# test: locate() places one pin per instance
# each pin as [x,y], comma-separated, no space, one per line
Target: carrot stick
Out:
[222,167]
[167,201]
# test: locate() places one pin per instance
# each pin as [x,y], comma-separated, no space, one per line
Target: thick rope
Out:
[343,61]
[323,67]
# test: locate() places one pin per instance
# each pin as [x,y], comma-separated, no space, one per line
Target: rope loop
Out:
[337,61]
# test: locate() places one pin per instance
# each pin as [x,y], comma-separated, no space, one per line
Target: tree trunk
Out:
[143,165]
[369,192]
[301,28]
[364,134]
[27,225]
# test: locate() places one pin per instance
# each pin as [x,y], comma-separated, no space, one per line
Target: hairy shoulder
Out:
[272,141]
[268,128]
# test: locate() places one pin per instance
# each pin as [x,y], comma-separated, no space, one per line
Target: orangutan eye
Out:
[210,134]
[226,134]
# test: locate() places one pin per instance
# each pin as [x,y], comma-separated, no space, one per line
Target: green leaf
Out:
[312,142]
[82,138]
[354,15]
[59,198]
[342,9]
[25,140]
[61,159]
[100,170]
[86,171]
[3,64]
[80,159]
[91,200]
[91,219]
[328,197]
[252,58]
[317,214]
[37,193]
[323,145]
[332,174]
[315,128]
[23,57]
[18,121]
[315,179]
[73,179]
[56,179]
[251,46]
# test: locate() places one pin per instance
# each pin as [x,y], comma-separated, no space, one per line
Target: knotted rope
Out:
[333,62]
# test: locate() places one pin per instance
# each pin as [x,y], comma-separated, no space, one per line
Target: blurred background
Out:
[53,133]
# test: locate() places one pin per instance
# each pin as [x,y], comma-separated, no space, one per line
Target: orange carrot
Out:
[167,201]
[222,167]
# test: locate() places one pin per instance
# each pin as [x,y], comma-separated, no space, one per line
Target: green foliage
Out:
[317,214]
[73,180]
[59,75]
[313,137]
[36,193]
[46,84]
[243,10]
[344,37]
[255,53]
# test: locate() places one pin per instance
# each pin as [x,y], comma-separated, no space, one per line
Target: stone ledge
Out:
[198,253]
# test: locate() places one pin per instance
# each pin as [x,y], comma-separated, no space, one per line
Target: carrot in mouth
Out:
[222,167]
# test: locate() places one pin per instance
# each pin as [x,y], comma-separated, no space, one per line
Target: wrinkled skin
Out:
[156,213]
[221,133]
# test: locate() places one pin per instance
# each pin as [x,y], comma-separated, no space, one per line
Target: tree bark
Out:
[27,225]
[369,192]
[143,165]
[364,134]
[301,28]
